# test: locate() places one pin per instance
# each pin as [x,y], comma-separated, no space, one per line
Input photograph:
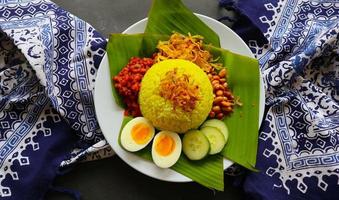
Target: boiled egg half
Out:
[166,149]
[136,134]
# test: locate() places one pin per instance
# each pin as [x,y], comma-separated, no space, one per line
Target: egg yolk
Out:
[141,133]
[165,145]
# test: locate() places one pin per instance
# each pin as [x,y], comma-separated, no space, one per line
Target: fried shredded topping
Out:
[187,48]
[179,90]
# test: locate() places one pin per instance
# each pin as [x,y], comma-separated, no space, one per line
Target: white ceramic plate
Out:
[110,115]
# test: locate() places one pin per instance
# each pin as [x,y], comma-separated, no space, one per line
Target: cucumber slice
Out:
[218,124]
[195,145]
[215,138]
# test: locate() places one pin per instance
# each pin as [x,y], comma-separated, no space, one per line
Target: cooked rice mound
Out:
[176,95]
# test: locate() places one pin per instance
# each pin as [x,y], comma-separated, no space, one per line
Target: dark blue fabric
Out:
[296,43]
[37,177]
[48,64]
[243,26]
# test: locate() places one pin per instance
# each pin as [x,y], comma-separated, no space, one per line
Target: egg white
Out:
[126,139]
[172,158]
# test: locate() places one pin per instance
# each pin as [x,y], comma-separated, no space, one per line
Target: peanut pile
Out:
[223,97]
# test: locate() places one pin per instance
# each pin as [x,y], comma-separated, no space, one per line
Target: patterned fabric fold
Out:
[298,152]
[48,64]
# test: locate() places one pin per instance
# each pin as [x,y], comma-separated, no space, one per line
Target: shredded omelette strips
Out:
[188,48]
[179,90]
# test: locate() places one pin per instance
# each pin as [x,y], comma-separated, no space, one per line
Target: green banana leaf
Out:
[164,18]
[120,48]
[244,81]
[167,16]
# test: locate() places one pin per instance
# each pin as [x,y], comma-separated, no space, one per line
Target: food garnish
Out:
[195,145]
[180,90]
[218,124]
[209,139]
[223,102]
[136,134]
[185,47]
[128,81]
[166,149]
[215,138]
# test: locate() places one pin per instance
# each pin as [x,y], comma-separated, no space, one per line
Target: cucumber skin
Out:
[220,142]
[218,124]
[186,150]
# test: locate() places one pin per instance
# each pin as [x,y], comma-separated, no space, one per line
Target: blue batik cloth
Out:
[297,45]
[48,63]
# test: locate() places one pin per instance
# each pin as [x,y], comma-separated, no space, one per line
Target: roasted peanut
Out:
[226,104]
[227,109]
[216,108]
[222,73]
[228,93]
[222,95]
[218,87]
[219,93]
[216,77]
[218,100]
[212,114]
[214,82]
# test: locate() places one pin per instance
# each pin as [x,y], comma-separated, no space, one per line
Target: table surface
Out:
[111,178]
